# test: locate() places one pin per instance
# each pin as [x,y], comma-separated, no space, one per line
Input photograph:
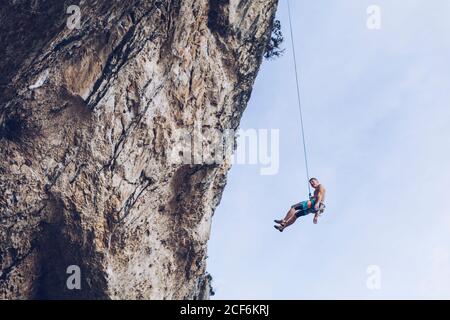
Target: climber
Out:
[315,205]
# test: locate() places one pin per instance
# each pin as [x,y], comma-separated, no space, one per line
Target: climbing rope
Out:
[298,95]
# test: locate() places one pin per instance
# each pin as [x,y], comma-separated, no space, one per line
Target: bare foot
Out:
[316,219]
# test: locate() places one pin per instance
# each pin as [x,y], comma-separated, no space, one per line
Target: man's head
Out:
[314,182]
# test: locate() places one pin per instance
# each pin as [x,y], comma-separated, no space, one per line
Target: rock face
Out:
[88,115]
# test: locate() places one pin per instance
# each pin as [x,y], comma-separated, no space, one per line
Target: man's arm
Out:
[319,199]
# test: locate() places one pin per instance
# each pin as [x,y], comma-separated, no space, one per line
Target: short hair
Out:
[313,179]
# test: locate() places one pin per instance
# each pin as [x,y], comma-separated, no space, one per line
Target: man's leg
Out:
[290,219]
[290,213]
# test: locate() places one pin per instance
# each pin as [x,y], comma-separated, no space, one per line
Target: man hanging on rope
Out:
[314,205]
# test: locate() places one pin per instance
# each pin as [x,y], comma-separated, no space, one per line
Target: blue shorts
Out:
[304,208]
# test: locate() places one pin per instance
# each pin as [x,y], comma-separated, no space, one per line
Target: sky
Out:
[377,124]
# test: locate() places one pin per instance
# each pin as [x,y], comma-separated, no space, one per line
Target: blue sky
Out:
[376,107]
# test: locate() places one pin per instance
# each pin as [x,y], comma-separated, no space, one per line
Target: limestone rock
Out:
[87,116]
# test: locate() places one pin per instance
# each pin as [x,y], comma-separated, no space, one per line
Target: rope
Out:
[298,95]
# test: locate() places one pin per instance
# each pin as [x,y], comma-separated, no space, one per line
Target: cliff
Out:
[89,116]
